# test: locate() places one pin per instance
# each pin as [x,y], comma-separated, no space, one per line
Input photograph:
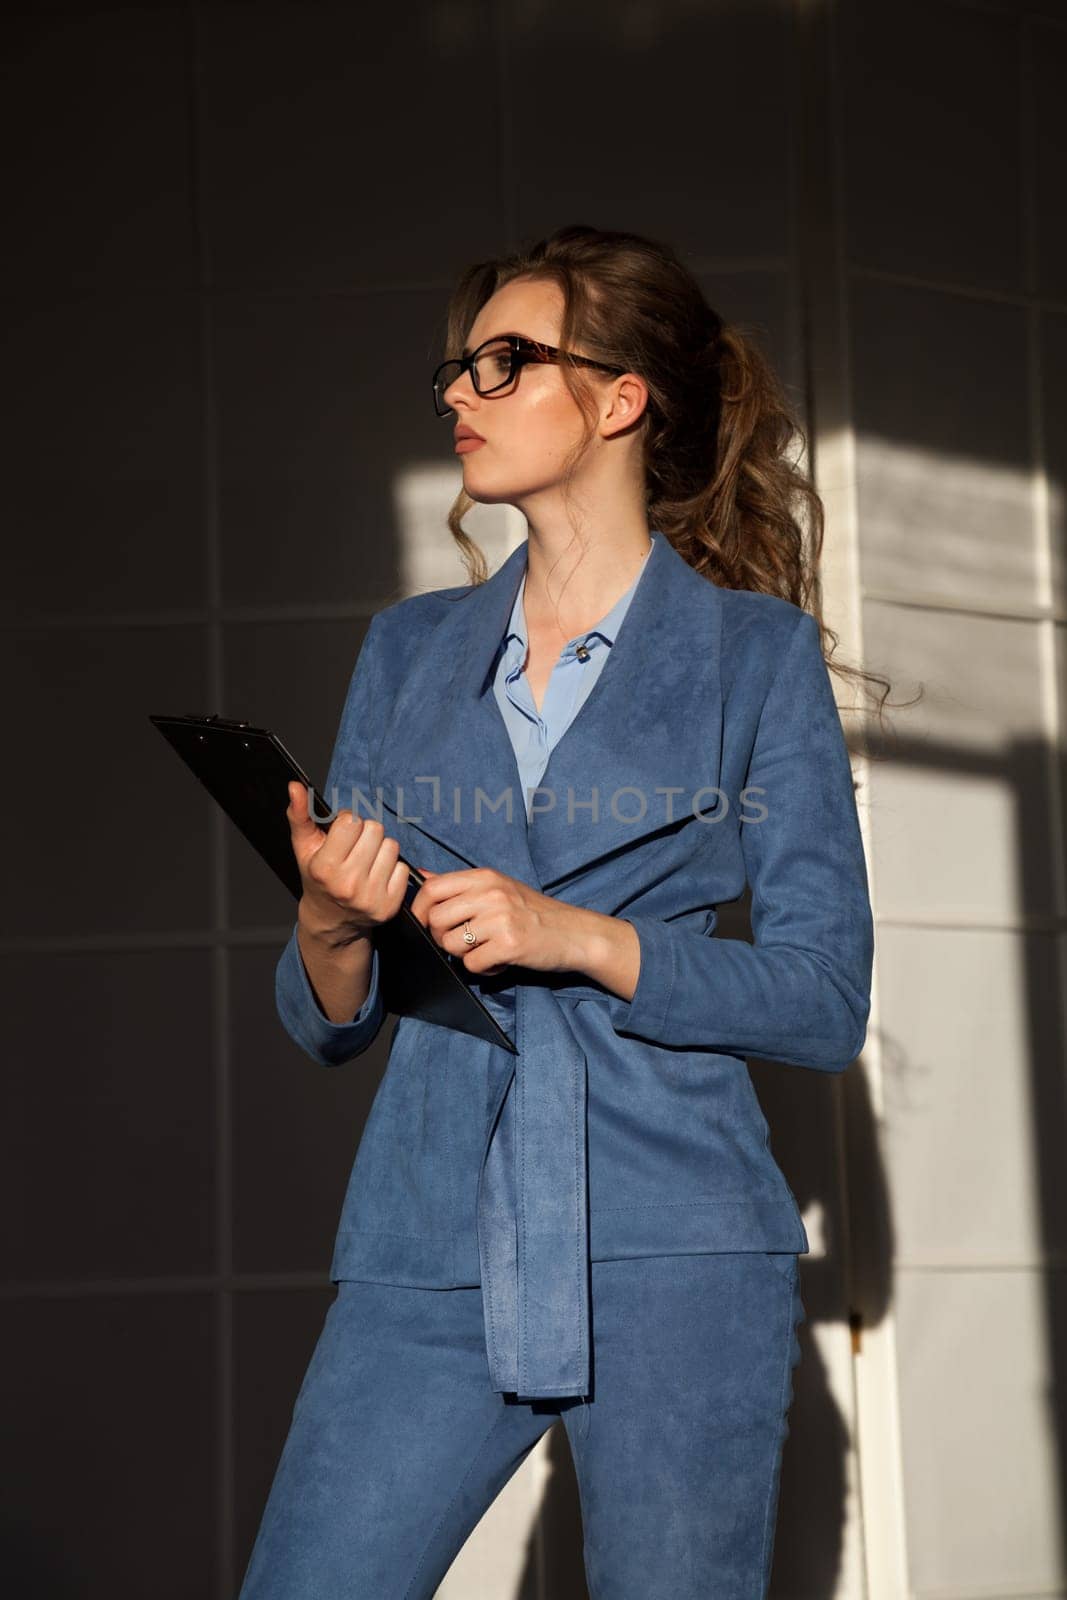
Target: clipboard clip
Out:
[220,722]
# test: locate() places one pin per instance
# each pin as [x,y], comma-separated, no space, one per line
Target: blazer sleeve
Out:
[801,992]
[333,1043]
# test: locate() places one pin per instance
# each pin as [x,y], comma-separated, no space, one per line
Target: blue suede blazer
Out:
[708,754]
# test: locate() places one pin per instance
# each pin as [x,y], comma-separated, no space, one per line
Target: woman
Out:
[618,1246]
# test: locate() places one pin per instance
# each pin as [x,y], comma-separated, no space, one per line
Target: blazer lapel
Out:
[642,755]
[445,758]
[652,724]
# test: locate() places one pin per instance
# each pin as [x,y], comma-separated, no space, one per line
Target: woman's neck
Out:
[581,587]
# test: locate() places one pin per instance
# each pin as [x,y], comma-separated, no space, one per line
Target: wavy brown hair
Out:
[721,441]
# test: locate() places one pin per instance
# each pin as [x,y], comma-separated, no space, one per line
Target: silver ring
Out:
[468,936]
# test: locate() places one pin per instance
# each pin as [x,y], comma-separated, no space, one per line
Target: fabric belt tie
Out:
[533,1209]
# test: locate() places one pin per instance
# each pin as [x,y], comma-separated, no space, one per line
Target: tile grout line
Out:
[222,1298]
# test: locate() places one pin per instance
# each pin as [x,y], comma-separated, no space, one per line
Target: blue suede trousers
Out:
[398,1445]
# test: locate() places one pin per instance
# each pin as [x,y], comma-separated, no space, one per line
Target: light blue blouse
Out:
[534,735]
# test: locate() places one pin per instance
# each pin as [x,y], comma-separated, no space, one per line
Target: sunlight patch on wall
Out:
[948,525]
[427,556]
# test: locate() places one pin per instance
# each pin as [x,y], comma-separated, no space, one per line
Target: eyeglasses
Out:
[496,363]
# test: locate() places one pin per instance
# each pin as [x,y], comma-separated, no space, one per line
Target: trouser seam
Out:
[441,1519]
[778,1442]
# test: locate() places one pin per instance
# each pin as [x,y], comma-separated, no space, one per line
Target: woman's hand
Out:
[350,873]
[515,925]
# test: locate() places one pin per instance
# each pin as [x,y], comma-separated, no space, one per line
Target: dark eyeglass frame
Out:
[523,351]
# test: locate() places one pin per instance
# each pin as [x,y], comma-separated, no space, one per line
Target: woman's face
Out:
[531,427]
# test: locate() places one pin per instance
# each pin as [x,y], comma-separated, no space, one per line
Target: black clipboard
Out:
[247,770]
